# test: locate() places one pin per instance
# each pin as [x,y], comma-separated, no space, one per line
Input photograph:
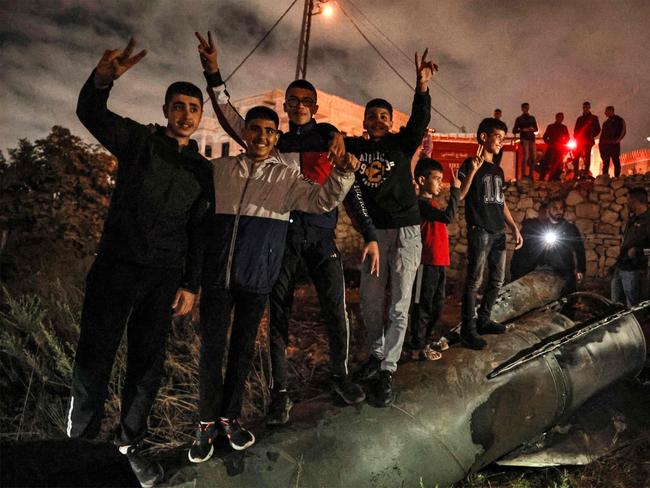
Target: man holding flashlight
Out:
[560,246]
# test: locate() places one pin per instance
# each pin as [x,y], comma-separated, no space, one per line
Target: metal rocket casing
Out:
[449,418]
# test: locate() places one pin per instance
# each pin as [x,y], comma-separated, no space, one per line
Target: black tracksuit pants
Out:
[428,300]
[219,396]
[317,249]
[118,295]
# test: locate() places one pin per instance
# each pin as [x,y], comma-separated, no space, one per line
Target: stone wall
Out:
[598,208]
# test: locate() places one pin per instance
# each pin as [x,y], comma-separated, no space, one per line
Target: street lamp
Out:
[312,7]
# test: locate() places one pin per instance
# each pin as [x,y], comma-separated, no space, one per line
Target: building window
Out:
[225,149]
[208,151]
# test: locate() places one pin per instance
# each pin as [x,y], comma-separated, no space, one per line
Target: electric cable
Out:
[268,33]
[356,26]
[408,58]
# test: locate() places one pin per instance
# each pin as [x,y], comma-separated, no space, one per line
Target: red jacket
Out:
[433,227]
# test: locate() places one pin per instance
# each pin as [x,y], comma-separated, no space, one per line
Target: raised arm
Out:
[114,132]
[467,171]
[421,108]
[228,116]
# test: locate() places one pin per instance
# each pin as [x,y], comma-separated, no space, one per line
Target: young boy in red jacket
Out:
[429,292]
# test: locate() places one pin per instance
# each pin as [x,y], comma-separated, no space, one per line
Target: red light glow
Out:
[572,144]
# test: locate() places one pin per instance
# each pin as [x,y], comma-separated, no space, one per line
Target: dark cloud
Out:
[553,54]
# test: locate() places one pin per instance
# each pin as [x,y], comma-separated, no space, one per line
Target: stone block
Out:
[453,229]
[586,227]
[621,200]
[574,197]
[593,197]
[588,211]
[592,268]
[602,180]
[606,197]
[620,192]
[617,183]
[525,203]
[531,213]
[611,252]
[607,229]
[616,207]
[609,217]
[591,255]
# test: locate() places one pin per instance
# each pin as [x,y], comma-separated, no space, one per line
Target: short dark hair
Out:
[525,104]
[488,125]
[183,88]
[556,198]
[425,166]
[380,103]
[609,107]
[262,112]
[639,194]
[497,110]
[559,113]
[304,84]
[586,103]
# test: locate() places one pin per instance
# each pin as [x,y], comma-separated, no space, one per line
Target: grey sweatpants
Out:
[400,251]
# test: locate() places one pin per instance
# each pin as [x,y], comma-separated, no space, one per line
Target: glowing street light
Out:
[328,10]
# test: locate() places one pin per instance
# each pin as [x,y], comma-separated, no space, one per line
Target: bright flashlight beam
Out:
[550,238]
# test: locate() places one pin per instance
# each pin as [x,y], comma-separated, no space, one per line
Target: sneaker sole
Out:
[245,446]
[200,460]
[149,484]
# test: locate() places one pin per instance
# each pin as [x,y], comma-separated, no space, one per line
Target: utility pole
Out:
[305,31]
[303,47]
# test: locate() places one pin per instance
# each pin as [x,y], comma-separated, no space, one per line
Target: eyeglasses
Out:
[293,102]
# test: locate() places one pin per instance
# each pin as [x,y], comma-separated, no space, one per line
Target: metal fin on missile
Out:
[583,328]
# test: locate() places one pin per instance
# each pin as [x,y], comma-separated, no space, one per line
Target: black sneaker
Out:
[202,448]
[350,392]
[472,340]
[369,370]
[238,437]
[279,409]
[385,393]
[148,472]
[490,327]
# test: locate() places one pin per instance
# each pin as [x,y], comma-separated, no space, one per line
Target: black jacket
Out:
[560,255]
[385,177]
[161,194]
[636,237]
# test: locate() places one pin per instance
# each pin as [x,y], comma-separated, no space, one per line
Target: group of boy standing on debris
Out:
[237,228]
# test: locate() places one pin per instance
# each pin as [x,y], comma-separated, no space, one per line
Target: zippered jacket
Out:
[304,148]
[162,191]
[246,236]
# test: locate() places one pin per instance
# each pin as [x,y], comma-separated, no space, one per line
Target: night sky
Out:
[498,53]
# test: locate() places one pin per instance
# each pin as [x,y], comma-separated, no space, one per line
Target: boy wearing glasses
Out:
[311,238]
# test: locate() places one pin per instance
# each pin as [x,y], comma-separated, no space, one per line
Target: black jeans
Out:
[119,295]
[428,300]
[485,250]
[611,152]
[219,396]
[323,262]
[583,150]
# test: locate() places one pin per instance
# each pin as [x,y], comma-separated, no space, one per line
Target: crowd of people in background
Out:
[566,156]
[238,226]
